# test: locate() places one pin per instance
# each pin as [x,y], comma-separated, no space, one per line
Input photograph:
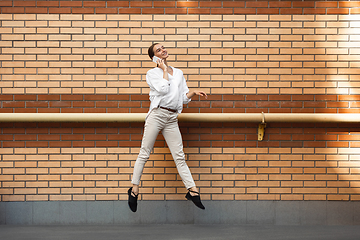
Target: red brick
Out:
[152,10]
[212,4]
[94,4]
[129,144]
[164,3]
[7,110]
[71,110]
[338,144]
[306,4]
[355,11]
[282,137]
[257,97]
[280,4]
[37,104]
[37,144]
[60,144]
[6,137]
[268,11]
[106,144]
[257,4]
[314,104]
[352,4]
[119,137]
[265,104]
[306,137]
[291,104]
[280,110]
[73,98]
[83,10]
[291,144]
[13,104]
[25,110]
[175,10]
[49,137]
[25,125]
[26,137]
[47,3]
[83,144]
[338,104]
[222,104]
[303,97]
[269,144]
[6,97]
[333,4]
[106,10]
[16,144]
[25,97]
[84,104]
[183,4]
[13,131]
[36,10]
[95,137]
[246,144]
[349,97]
[124,98]
[233,4]
[72,137]
[199,10]
[117,4]
[129,10]
[95,110]
[48,97]
[24,3]
[325,97]
[59,10]
[338,11]
[95,125]
[279,97]
[107,104]
[316,144]
[8,10]
[290,11]
[60,104]
[71,3]
[314,11]
[222,144]
[6,3]
[141,4]
[222,11]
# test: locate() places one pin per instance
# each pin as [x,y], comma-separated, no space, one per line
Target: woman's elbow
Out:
[164,90]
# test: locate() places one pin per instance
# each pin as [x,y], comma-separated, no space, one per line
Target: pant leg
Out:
[172,135]
[153,125]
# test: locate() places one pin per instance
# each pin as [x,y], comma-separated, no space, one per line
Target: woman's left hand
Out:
[197,93]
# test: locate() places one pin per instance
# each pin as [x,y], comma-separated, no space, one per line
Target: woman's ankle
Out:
[135,189]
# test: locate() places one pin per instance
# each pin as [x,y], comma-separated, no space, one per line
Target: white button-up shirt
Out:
[167,93]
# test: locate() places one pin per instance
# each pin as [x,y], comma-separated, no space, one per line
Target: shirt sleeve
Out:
[185,91]
[157,82]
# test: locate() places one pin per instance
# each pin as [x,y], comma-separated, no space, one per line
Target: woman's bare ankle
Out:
[194,191]
[135,189]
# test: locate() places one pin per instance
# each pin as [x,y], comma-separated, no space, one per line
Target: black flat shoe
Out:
[132,200]
[195,199]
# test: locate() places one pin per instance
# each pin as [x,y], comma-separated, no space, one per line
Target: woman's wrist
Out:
[190,94]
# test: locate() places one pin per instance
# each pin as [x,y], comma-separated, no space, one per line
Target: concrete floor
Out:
[178,232]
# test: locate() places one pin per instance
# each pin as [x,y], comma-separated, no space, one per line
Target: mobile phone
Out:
[155,59]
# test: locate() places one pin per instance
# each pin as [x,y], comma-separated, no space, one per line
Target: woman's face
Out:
[160,51]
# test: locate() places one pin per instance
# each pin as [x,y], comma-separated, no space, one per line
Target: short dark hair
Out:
[151,50]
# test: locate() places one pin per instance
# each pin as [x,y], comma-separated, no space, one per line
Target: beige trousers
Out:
[166,122]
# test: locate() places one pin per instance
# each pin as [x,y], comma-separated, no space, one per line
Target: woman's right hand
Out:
[162,64]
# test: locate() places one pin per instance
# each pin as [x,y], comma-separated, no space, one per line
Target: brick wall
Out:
[249,56]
